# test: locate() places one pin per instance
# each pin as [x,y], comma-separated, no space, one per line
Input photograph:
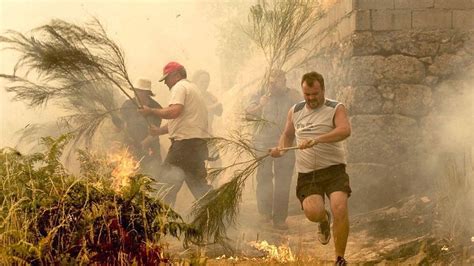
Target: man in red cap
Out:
[188,130]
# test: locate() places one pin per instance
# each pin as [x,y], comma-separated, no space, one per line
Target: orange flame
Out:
[125,167]
[281,254]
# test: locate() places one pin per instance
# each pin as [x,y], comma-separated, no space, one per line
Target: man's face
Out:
[143,95]
[171,79]
[313,95]
[202,82]
[277,83]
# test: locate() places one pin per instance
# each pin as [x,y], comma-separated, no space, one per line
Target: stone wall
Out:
[401,66]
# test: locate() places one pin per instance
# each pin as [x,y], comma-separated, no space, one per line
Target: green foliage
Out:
[49,216]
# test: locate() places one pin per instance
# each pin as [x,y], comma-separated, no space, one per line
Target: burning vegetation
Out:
[107,215]
[125,167]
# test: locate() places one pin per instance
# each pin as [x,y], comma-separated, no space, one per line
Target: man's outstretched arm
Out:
[170,112]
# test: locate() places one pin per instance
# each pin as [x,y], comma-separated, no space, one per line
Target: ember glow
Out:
[125,166]
[280,254]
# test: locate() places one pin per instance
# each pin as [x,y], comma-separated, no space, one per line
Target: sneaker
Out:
[280,225]
[340,261]
[324,233]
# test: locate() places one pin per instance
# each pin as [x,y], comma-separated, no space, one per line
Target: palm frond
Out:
[64,50]
[236,142]
[77,67]
[219,208]
[281,28]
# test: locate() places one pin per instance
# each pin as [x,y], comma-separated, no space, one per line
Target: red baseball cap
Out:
[170,68]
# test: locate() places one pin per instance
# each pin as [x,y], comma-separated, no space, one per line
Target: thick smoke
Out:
[150,34]
[153,33]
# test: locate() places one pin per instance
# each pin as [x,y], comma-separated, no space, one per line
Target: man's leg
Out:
[314,210]
[197,184]
[172,175]
[338,202]
[265,188]
[170,181]
[171,192]
[194,166]
[283,168]
[313,207]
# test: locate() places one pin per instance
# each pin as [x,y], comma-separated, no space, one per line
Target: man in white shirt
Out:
[188,130]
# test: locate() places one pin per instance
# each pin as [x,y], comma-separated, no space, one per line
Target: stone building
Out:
[405,70]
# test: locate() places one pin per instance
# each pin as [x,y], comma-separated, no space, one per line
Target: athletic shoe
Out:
[324,234]
[340,261]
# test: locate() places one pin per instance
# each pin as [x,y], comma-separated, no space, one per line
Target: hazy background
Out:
[151,33]
[199,34]
[195,33]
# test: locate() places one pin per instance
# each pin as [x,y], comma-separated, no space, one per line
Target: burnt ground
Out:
[401,233]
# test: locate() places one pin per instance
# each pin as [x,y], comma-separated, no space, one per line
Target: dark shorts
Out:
[189,155]
[323,181]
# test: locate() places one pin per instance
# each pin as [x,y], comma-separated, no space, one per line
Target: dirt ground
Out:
[397,234]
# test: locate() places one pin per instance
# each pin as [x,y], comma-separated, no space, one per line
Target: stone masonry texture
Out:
[405,66]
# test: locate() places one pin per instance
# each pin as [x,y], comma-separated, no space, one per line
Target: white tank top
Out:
[310,123]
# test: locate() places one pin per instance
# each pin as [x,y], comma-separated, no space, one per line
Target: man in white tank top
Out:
[319,126]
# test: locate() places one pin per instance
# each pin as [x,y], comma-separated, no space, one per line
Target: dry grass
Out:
[455,219]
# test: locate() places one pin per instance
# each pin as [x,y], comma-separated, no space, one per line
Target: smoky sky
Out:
[151,33]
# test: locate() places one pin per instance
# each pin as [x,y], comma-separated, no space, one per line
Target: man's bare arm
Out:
[171,112]
[148,141]
[256,107]
[156,131]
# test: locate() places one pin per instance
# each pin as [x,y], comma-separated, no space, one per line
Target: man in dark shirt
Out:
[269,107]
[140,143]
